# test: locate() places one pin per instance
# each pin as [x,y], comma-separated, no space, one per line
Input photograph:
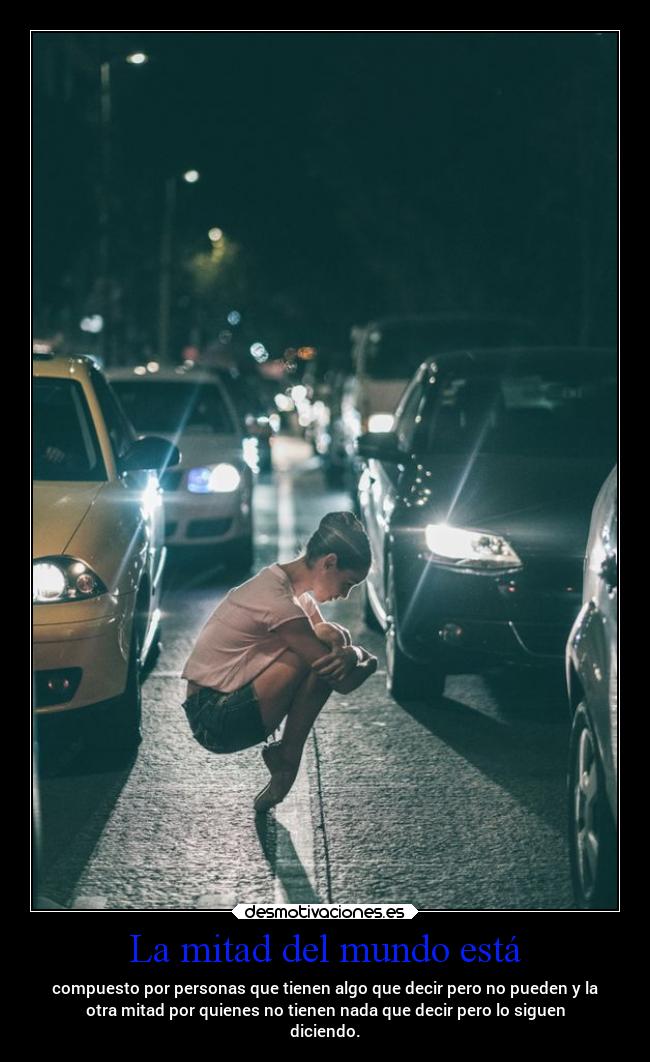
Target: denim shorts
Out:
[225,722]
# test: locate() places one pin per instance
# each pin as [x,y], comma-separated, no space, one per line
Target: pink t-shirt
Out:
[239,640]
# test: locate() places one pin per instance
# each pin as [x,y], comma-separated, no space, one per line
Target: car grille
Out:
[172,479]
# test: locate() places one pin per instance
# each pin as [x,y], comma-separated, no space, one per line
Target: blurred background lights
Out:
[234,317]
[379,422]
[284,403]
[259,352]
[191,176]
[140,370]
[137,58]
[153,366]
[307,353]
[92,324]
[215,235]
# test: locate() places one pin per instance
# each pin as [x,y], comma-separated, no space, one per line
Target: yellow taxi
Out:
[98,549]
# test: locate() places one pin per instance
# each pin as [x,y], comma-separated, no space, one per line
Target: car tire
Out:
[405,678]
[592,831]
[117,729]
[369,617]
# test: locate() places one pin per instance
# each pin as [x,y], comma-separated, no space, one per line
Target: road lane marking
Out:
[294,813]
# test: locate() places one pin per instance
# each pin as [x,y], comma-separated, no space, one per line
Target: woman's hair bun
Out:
[341,533]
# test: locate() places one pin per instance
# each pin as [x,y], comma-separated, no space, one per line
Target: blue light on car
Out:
[215,479]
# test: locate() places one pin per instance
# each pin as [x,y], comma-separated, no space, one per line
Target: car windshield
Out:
[173,408]
[65,441]
[394,350]
[553,408]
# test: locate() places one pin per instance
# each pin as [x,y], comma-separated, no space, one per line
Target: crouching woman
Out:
[266,654]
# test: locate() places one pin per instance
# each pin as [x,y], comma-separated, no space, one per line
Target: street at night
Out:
[325,319]
[457,805]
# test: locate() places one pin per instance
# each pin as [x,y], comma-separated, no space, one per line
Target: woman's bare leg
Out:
[288,688]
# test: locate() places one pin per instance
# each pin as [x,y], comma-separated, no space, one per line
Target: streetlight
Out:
[134,59]
[190,177]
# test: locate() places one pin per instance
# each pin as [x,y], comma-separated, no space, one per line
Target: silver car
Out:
[592,678]
[208,497]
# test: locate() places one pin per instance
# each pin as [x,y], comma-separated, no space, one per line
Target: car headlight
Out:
[461,548]
[64,579]
[214,479]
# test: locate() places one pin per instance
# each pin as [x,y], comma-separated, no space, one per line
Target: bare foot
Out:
[274,792]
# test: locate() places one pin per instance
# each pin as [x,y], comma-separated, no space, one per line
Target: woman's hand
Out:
[337,665]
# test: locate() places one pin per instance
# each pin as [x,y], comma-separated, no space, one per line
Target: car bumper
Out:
[85,644]
[522,616]
[195,519]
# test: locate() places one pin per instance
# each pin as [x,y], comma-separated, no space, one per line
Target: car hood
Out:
[199,449]
[59,509]
[541,505]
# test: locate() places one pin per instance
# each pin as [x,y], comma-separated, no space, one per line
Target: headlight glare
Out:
[48,582]
[57,579]
[462,548]
[213,479]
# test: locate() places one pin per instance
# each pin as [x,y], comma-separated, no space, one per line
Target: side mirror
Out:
[150,452]
[380,445]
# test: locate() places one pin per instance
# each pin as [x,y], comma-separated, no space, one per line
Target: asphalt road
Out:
[458,806]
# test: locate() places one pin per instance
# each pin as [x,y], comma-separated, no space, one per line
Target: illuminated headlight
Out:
[64,579]
[380,422]
[469,549]
[215,479]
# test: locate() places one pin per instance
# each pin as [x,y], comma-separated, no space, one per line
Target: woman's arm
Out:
[344,668]
[317,619]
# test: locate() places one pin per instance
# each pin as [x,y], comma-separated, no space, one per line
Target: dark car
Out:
[478,504]
[592,681]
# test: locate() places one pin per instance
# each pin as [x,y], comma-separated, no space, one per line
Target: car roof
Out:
[478,357]
[62,365]
[178,375]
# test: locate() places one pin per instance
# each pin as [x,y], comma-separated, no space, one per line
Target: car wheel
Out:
[155,649]
[592,832]
[370,619]
[117,729]
[405,678]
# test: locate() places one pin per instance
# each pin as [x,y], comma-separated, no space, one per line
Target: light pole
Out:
[106,304]
[166,239]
